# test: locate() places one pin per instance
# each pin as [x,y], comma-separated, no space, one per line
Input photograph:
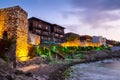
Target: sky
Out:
[84,17]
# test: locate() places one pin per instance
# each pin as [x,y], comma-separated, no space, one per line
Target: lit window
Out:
[46,27]
[61,36]
[56,35]
[39,26]
[38,31]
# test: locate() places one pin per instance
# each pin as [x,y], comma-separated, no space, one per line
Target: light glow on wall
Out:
[86,44]
[37,42]
[1,26]
[76,42]
[22,46]
[14,21]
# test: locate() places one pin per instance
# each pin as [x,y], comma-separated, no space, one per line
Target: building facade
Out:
[71,39]
[40,28]
[57,33]
[84,40]
[14,24]
[111,43]
[49,33]
[99,39]
[71,36]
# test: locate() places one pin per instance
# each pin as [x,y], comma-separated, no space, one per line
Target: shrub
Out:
[5,58]
[44,52]
[80,56]
[5,45]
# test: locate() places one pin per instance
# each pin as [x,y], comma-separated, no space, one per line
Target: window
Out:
[56,35]
[46,27]
[38,31]
[60,30]
[44,38]
[39,25]
[45,33]
[61,36]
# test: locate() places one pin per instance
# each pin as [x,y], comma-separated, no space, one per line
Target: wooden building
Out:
[49,33]
[57,32]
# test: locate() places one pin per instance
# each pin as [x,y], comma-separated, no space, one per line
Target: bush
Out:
[68,56]
[80,56]
[44,52]
[5,45]
[5,58]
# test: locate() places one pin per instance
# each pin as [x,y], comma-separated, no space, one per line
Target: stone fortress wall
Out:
[14,23]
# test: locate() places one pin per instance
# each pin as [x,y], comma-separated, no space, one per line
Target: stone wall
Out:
[13,21]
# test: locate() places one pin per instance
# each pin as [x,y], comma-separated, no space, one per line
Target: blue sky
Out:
[84,17]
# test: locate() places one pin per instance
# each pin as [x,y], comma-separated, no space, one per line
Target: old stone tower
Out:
[14,23]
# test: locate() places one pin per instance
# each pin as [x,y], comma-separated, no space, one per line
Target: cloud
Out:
[97,4]
[95,13]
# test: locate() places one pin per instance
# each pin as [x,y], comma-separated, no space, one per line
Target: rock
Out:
[36,60]
[8,73]
[29,74]
[9,77]
[17,72]
[2,62]
[37,77]
[5,71]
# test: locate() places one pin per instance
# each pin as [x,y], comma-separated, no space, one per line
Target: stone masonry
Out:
[13,22]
